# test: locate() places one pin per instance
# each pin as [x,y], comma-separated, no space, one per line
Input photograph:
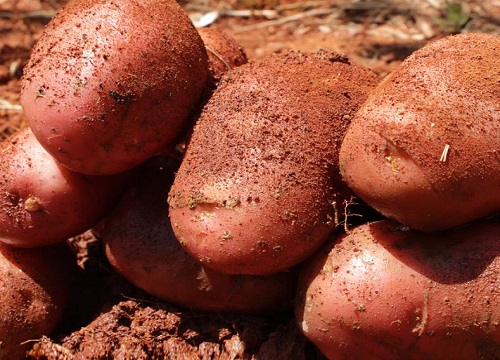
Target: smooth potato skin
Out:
[111,83]
[142,247]
[34,288]
[43,202]
[258,190]
[424,148]
[384,292]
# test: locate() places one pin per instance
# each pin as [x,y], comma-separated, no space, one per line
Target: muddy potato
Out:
[386,292]
[43,202]
[34,288]
[224,53]
[111,83]
[424,148]
[142,247]
[258,190]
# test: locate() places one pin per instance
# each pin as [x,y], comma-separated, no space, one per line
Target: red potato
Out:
[224,53]
[385,292]
[142,247]
[424,148]
[34,288]
[111,83]
[258,190]
[41,201]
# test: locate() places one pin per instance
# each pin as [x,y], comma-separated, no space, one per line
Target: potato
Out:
[34,287]
[258,190]
[424,148]
[141,246]
[111,83]
[41,201]
[386,292]
[224,53]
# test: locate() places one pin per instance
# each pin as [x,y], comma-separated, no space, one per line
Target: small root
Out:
[444,154]
[218,56]
[347,214]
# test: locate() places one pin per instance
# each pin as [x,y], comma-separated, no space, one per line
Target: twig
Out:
[269,14]
[286,19]
[5,105]
[41,14]
[344,5]
[305,5]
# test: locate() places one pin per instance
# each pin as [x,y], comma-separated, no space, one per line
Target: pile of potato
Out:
[258,216]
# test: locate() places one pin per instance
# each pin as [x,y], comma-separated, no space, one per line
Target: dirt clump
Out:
[135,329]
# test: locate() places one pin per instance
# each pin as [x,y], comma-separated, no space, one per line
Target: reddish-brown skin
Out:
[110,83]
[425,147]
[258,189]
[142,247]
[34,288]
[385,292]
[224,53]
[43,202]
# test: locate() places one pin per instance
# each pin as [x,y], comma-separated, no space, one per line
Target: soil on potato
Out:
[108,317]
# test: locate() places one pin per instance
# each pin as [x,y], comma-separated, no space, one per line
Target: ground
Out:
[120,321]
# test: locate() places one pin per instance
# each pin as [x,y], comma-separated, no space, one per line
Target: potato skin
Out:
[111,83]
[34,287]
[43,202]
[258,190]
[386,292]
[424,148]
[142,247]
[224,53]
